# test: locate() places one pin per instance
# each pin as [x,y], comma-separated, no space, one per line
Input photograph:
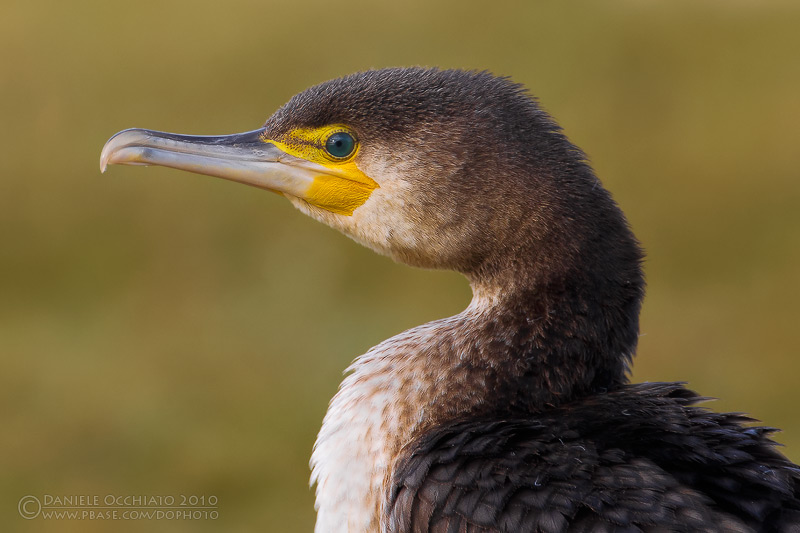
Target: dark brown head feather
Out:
[493,174]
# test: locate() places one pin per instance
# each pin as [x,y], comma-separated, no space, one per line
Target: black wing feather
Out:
[642,458]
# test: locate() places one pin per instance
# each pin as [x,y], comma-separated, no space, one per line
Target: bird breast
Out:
[392,393]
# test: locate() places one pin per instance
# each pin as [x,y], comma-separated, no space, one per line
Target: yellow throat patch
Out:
[342,190]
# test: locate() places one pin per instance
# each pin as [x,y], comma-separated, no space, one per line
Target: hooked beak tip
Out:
[109,148]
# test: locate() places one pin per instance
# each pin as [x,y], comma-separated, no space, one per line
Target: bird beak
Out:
[242,157]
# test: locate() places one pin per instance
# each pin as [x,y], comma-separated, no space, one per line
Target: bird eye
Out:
[340,145]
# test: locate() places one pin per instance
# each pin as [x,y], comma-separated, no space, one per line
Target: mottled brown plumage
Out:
[517,208]
[528,424]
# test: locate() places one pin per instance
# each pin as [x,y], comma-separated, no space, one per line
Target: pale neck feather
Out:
[389,394]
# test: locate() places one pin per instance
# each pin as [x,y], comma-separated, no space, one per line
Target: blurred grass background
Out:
[163,333]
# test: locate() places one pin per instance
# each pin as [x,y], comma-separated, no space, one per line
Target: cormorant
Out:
[515,415]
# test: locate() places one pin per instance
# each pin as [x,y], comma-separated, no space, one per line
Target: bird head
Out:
[434,168]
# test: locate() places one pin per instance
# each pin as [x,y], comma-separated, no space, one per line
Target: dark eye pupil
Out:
[340,144]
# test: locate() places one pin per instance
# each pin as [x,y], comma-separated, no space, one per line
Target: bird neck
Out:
[550,343]
[514,351]
[552,320]
[560,310]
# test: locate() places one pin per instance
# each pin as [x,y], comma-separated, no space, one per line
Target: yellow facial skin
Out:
[346,187]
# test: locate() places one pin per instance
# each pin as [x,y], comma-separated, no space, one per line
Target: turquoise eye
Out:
[340,145]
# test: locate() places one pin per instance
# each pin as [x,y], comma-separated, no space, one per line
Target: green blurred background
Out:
[165,334]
